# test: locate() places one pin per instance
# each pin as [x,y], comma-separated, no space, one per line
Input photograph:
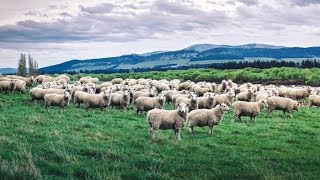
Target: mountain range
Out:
[199,54]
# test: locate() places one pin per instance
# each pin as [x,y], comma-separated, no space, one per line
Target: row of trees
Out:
[22,66]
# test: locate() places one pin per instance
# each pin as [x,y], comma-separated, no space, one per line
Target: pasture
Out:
[115,144]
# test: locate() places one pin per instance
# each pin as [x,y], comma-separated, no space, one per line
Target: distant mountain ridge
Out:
[192,55]
[8,70]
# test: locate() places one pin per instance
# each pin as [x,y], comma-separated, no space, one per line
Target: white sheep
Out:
[61,100]
[206,117]
[101,100]
[206,102]
[251,109]
[121,100]
[314,100]
[285,104]
[192,102]
[168,119]
[149,103]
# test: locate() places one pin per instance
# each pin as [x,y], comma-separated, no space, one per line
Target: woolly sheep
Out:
[150,93]
[162,87]
[244,96]
[149,103]
[184,86]
[192,102]
[206,102]
[20,86]
[200,91]
[251,109]
[314,100]
[121,100]
[61,100]
[117,81]
[7,86]
[168,119]
[223,98]
[284,104]
[207,117]
[39,79]
[101,100]
[299,94]
[39,93]
[79,96]
[63,77]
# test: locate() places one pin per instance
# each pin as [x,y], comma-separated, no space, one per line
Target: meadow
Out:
[115,144]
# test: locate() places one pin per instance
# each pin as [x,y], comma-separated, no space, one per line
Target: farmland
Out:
[115,144]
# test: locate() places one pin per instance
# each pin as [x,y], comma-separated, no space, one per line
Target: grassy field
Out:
[113,144]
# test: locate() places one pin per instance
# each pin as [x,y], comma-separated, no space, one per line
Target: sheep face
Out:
[161,98]
[296,106]
[183,109]
[265,103]
[193,97]
[224,107]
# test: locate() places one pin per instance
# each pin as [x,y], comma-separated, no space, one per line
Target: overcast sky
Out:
[61,30]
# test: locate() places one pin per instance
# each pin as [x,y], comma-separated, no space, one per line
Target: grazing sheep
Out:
[185,86]
[260,96]
[168,119]
[47,79]
[206,102]
[244,96]
[207,117]
[176,96]
[39,93]
[150,93]
[28,80]
[8,86]
[101,100]
[20,86]
[251,109]
[117,81]
[61,100]
[63,76]
[223,86]
[148,103]
[192,102]
[39,79]
[162,87]
[314,100]
[121,100]
[284,104]
[299,94]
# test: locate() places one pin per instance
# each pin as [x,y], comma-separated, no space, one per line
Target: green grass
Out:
[114,144]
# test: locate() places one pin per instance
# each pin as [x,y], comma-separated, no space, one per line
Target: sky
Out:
[55,31]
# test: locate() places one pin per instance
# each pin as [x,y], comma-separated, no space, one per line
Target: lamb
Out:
[168,119]
[117,81]
[314,100]
[101,100]
[206,102]
[244,96]
[122,100]
[284,104]
[150,93]
[149,103]
[8,86]
[207,117]
[57,100]
[192,102]
[251,109]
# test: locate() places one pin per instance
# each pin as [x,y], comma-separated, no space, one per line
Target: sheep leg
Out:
[210,129]
[191,129]
[177,134]
[152,133]
[240,118]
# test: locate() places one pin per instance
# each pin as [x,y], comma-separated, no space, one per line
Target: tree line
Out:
[32,64]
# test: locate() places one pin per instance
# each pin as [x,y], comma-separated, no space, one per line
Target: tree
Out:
[22,69]
[33,66]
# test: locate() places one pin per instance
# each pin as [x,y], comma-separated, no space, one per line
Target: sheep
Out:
[4,79]
[39,79]
[192,102]
[223,98]
[122,100]
[63,76]
[168,119]
[284,104]
[8,86]
[57,100]
[185,86]
[299,94]
[47,79]
[79,96]
[78,88]
[20,86]
[223,86]
[176,96]
[39,93]
[200,91]
[162,87]
[251,109]
[206,102]
[28,80]
[314,100]
[117,81]
[150,93]
[207,117]
[168,94]
[148,103]
[244,96]
[101,100]
[263,95]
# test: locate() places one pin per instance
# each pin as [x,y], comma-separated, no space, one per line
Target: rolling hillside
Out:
[193,55]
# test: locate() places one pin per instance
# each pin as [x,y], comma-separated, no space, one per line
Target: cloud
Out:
[304,2]
[103,8]
[249,2]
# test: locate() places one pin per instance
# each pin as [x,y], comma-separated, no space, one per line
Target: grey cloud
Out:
[304,2]
[99,9]
[249,2]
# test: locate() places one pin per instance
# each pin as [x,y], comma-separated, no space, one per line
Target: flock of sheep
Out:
[195,104]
